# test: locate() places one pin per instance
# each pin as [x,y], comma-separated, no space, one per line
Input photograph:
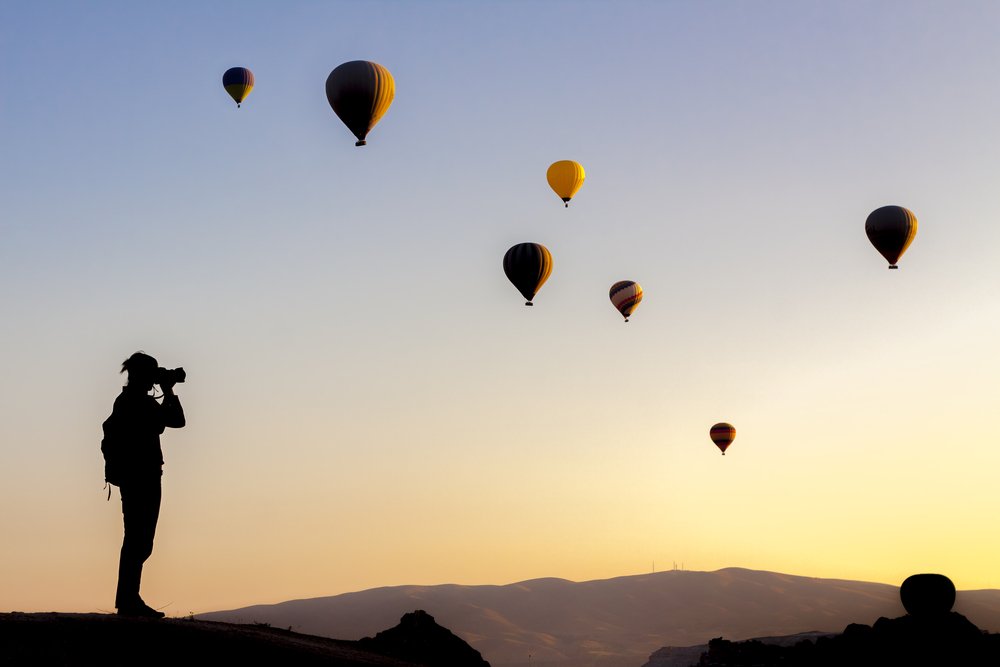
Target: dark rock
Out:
[936,639]
[78,640]
[924,594]
[418,638]
[857,631]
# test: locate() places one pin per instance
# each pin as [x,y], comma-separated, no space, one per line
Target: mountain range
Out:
[615,622]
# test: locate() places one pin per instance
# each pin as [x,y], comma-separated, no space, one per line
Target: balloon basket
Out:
[361,143]
[528,303]
[893,266]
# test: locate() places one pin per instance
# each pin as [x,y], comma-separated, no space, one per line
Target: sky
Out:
[368,401]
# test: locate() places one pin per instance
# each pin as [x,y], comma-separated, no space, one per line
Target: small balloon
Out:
[565,178]
[238,82]
[625,296]
[528,266]
[722,435]
[891,229]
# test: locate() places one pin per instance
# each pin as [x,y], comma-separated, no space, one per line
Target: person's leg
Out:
[140,510]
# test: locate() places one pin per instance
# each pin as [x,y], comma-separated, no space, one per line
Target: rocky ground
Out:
[105,639]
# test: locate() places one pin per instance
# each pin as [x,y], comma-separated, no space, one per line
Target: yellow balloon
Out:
[565,177]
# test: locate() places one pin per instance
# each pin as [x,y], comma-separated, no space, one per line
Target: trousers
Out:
[140,511]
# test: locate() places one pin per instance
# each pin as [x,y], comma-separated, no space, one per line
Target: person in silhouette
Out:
[137,420]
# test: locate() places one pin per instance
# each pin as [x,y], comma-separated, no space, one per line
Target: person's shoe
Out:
[140,610]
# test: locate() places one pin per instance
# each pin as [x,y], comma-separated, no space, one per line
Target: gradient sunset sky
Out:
[369,403]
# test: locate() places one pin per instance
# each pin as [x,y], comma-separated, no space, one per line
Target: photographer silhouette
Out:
[133,461]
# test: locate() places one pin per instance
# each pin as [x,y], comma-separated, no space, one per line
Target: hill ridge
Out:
[581,582]
[613,622]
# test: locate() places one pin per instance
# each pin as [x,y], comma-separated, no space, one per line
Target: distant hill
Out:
[616,622]
[73,640]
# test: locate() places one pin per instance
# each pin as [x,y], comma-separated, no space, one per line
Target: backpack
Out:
[112,446]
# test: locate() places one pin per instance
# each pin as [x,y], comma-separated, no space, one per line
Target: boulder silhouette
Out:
[927,594]
[929,634]
[419,638]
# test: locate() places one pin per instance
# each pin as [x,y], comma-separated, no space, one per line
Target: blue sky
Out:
[354,349]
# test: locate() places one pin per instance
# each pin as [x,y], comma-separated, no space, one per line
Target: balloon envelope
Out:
[528,266]
[360,93]
[565,178]
[891,230]
[238,82]
[722,435]
[625,296]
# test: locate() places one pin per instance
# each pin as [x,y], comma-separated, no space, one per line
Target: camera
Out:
[169,376]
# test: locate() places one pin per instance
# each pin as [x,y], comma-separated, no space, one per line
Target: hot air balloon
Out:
[722,435]
[528,266]
[238,82]
[626,295]
[891,230]
[360,93]
[565,178]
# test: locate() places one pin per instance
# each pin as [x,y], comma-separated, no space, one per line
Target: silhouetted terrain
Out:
[419,638]
[929,634]
[104,639]
[614,622]
[945,639]
[686,656]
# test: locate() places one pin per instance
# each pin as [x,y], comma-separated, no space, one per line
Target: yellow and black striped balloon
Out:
[528,266]
[625,296]
[360,93]
[891,229]
[238,82]
[722,435]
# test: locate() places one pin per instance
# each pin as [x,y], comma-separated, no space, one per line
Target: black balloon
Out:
[528,266]
[891,229]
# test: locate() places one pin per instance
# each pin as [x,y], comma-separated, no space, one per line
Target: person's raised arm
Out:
[173,413]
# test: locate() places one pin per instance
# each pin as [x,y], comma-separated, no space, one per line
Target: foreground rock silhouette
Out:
[927,594]
[418,637]
[949,640]
[103,639]
[930,634]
